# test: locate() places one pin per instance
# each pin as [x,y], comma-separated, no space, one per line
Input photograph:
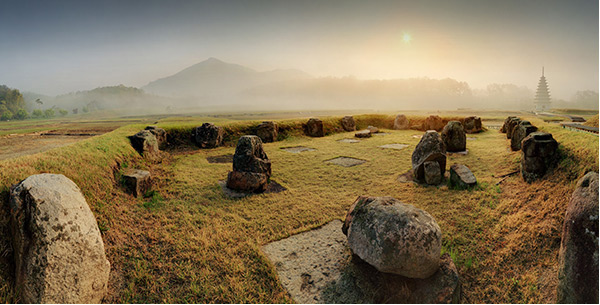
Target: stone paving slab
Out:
[394,146]
[297,149]
[349,141]
[345,161]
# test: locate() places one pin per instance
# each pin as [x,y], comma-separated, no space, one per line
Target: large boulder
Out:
[512,123]
[394,237]
[454,136]
[251,166]
[59,253]
[160,134]
[539,153]
[137,182]
[348,123]
[314,128]
[430,148]
[433,122]
[267,131]
[522,130]
[473,124]
[372,129]
[461,177]
[208,135]
[578,255]
[504,127]
[145,143]
[401,122]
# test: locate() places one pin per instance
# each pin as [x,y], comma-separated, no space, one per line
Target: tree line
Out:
[13,107]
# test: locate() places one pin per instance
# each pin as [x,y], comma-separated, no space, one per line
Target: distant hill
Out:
[214,78]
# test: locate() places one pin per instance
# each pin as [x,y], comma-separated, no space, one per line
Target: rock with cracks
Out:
[365,133]
[430,148]
[512,123]
[522,130]
[578,256]
[267,131]
[348,123]
[58,250]
[314,128]
[251,166]
[505,125]
[401,122]
[208,136]
[137,182]
[454,137]
[433,122]
[394,237]
[472,124]
[145,143]
[160,134]
[461,177]
[539,154]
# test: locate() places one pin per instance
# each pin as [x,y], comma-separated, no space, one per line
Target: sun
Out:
[406,38]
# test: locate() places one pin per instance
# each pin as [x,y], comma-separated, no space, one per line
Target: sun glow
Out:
[406,38]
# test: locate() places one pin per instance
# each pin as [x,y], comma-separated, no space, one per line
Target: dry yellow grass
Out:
[190,243]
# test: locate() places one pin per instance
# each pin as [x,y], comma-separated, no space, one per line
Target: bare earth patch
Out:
[345,161]
[297,149]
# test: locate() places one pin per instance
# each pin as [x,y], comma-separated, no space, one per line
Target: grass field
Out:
[188,243]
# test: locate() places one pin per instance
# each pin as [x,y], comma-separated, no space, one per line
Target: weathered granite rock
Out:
[145,143]
[430,148]
[372,129]
[394,237]
[251,166]
[208,135]
[511,125]
[504,127]
[267,131]
[137,182]
[433,122]
[539,153]
[365,133]
[461,177]
[523,129]
[348,123]
[454,136]
[473,124]
[58,250]
[160,134]
[314,128]
[433,172]
[401,122]
[578,256]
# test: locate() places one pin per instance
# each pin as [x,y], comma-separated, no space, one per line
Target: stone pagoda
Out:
[542,95]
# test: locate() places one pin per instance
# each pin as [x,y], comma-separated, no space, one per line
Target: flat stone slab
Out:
[272,187]
[345,161]
[394,146]
[228,158]
[471,139]
[417,136]
[297,149]
[464,153]
[349,140]
[380,133]
[317,266]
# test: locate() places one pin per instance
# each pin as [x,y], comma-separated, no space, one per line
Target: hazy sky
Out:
[54,47]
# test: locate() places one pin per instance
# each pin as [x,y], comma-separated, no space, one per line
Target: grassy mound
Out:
[188,243]
[593,121]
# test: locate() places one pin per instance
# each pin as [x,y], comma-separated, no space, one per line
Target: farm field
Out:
[188,243]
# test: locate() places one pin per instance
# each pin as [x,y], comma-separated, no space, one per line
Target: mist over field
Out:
[284,55]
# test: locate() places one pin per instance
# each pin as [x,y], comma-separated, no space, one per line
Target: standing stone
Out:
[430,148]
[433,122]
[538,155]
[394,237]
[461,177]
[137,182]
[267,131]
[511,125]
[401,122]
[505,125]
[208,136]
[519,133]
[473,124]
[251,166]
[160,134]
[578,256]
[454,136]
[314,128]
[365,133]
[433,173]
[348,123]
[59,253]
[145,143]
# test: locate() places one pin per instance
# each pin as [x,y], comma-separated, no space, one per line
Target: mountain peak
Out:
[211,60]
